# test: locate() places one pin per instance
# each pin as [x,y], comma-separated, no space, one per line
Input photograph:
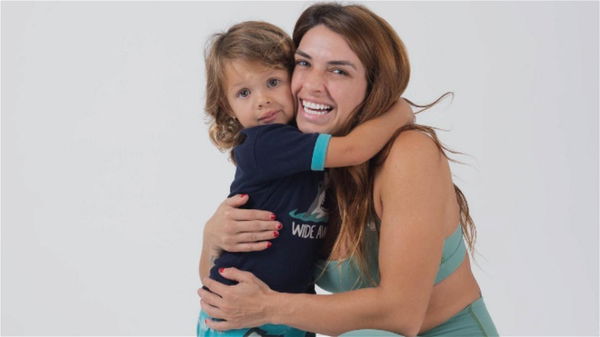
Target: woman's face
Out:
[329,81]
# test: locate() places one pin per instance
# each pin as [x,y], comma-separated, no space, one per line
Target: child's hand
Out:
[401,113]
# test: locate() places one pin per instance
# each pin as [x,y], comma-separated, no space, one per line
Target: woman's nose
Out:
[313,82]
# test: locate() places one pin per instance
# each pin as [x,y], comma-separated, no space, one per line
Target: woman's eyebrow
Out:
[335,63]
[342,63]
[303,54]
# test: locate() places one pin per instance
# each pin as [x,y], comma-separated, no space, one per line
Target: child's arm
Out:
[368,138]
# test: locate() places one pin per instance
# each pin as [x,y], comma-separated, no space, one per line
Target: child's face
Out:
[258,94]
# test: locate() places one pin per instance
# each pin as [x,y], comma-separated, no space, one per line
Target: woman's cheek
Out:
[296,79]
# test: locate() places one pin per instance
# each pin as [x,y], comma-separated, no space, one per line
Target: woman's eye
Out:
[339,72]
[273,82]
[243,93]
[302,63]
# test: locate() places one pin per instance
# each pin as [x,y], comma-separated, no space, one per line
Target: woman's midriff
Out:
[451,296]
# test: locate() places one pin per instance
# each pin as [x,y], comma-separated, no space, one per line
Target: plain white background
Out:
[108,174]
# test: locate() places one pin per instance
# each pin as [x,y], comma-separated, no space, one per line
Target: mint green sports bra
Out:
[344,275]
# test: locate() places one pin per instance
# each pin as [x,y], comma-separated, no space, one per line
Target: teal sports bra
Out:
[344,275]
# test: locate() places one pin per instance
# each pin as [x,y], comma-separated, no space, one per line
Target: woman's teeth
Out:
[315,108]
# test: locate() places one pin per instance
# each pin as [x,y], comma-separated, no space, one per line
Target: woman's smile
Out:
[315,112]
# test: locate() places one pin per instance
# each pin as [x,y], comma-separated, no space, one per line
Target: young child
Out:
[281,169]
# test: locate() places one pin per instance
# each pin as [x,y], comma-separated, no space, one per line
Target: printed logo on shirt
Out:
[307,231]
[316,212]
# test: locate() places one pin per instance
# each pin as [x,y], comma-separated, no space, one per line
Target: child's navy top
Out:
[281,169]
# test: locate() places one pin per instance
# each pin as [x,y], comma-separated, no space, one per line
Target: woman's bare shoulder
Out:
[415,174]
[414,148]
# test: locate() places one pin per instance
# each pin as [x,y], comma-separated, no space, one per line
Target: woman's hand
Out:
[236,230]
[244,305]
[240,230]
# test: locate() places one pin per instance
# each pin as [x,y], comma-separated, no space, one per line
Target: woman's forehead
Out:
[322,42]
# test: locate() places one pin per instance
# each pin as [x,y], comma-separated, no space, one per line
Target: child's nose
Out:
[264,101]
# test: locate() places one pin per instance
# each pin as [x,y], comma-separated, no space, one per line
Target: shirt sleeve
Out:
[278,150]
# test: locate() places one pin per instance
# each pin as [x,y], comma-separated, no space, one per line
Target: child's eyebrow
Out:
[334,62]
[237,85]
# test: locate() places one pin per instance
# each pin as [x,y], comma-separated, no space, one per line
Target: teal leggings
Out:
[474,320]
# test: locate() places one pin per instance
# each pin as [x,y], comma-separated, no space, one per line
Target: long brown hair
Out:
[251,41]
[385,58]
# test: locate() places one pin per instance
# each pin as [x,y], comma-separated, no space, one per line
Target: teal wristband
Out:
[320,152]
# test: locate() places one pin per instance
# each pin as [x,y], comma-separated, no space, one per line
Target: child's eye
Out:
[273,82]
[302,63]
[243,93]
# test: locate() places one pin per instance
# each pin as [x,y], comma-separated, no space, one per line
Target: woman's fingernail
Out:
[279,226]
[269,244]
[275,234]
[243,195]
[273,217]
[221,270]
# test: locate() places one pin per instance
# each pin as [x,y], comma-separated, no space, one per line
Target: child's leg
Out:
[268,330]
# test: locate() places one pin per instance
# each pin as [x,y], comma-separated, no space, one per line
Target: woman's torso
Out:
[456,291]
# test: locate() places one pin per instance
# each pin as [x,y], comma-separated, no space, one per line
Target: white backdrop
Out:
[108,173]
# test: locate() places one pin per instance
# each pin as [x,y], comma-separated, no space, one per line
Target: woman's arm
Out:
[368,138]
[236,230]
[414,196]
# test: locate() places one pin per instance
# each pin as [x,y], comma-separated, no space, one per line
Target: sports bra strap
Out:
[453,255]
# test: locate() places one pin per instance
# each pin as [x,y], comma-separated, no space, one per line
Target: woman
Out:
[398,261]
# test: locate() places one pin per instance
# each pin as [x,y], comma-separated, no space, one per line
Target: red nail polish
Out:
[243,195]
[275,234]
[279,226]
[221,270]
[273,217]
[269,244]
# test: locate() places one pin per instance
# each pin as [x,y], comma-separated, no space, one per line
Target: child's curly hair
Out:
[251,41]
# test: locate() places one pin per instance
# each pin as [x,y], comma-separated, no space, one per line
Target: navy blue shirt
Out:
[281,169]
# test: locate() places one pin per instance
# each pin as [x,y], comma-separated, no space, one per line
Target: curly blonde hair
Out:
[251,41]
